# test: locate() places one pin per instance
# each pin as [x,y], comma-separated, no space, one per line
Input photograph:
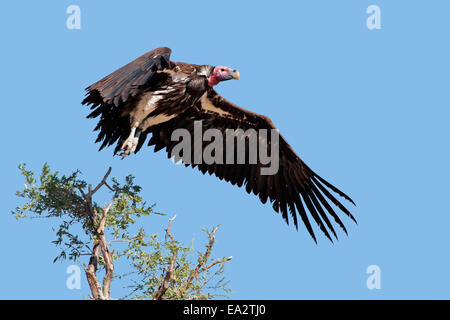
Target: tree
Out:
[160,268]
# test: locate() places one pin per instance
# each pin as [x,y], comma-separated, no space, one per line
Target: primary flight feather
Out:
[154,96]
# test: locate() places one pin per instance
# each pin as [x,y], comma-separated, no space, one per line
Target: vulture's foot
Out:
[130,144]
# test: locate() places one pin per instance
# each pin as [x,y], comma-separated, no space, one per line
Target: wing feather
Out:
[292,188]
[127,81]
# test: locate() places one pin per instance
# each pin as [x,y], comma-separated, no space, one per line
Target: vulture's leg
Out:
[130,144]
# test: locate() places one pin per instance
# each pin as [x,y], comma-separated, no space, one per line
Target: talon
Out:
[130,144]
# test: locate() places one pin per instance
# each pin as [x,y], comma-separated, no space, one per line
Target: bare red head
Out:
[222,73]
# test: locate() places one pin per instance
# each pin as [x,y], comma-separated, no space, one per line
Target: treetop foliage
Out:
[159,268]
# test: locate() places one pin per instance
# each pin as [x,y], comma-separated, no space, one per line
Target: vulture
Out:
[154,96]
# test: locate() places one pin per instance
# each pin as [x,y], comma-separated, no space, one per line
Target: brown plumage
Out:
[153,96]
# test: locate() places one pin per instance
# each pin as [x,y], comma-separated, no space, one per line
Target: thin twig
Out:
[108,186]
[101,182]
[216,262]
[168,228]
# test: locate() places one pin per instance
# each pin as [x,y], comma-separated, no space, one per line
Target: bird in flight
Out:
[154,96]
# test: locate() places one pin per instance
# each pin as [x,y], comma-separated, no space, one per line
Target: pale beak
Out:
[235,74]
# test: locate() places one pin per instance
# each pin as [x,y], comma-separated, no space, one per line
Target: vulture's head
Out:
[222,73]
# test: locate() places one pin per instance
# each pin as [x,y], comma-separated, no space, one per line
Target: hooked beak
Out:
[235,74]
[232,75]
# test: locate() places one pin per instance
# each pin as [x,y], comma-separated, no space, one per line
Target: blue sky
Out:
[366,109]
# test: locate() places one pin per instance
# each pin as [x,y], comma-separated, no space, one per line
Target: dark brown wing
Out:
[127,81]
[295,188]
[109,96]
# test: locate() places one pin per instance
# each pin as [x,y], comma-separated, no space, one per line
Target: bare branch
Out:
[100,245]
[168,228]
[88,197]
[108,186]
[215,262]
[107,255]
[101,182]
[87,205]
[91,272]
[169,273]
[101,226]
[199,268]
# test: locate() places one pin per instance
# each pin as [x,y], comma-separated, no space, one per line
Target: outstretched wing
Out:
[127,81]
[295,189]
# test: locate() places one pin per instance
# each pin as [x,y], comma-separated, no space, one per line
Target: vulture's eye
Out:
[222,70]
